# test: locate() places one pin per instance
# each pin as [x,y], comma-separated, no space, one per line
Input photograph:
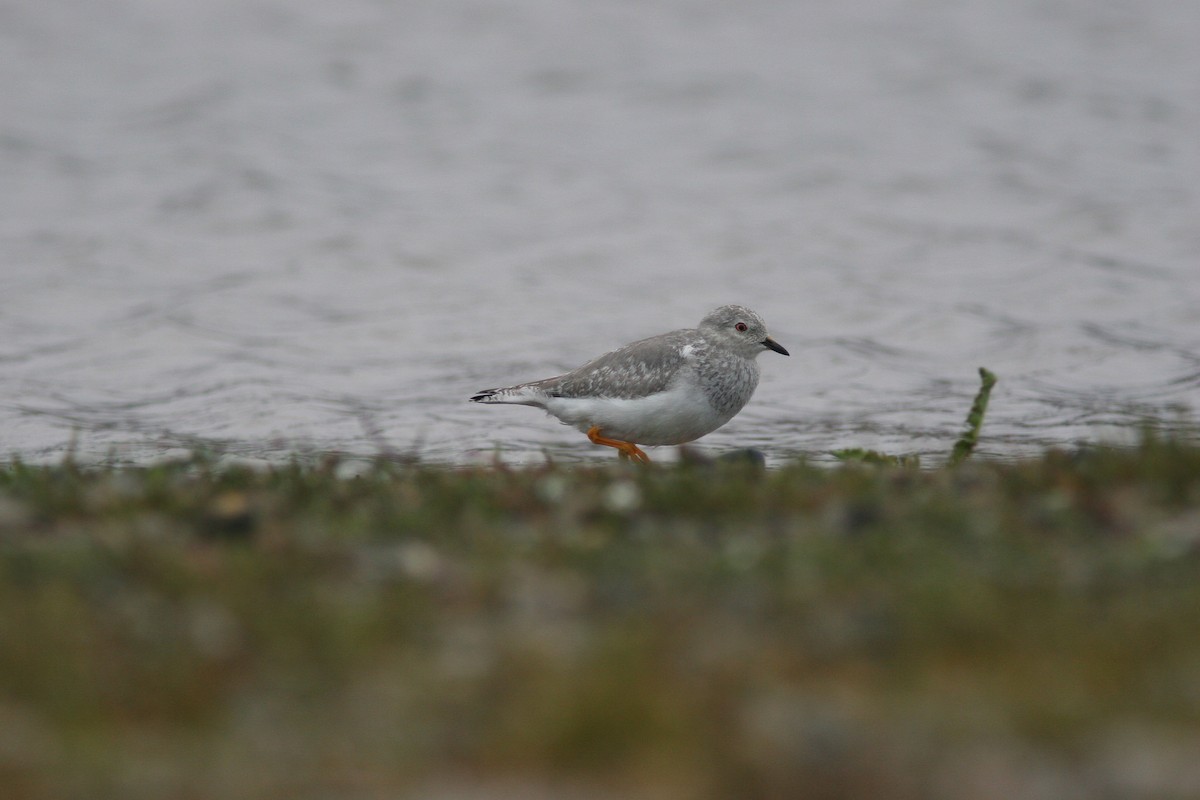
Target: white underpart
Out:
[679,414]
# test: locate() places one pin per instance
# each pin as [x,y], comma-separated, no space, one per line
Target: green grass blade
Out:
[966,443]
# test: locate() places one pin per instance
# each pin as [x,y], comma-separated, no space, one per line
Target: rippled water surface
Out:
[299,226]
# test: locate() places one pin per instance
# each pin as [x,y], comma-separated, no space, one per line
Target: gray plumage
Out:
[666,389]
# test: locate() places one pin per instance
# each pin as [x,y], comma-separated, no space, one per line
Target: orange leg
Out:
[626,449]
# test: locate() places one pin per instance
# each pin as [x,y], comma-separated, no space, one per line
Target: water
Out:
[295,226]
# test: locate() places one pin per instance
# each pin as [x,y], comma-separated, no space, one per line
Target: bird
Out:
[665,390]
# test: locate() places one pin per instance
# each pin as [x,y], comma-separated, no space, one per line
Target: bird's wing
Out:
[636,370]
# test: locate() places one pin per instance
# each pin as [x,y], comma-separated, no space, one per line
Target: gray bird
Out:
[668,389]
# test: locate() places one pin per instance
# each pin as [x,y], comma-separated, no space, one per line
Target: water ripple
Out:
[209,243]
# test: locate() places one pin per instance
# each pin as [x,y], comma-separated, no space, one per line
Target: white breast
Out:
[679,414]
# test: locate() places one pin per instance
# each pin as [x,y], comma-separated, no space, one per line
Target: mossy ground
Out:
[194,630]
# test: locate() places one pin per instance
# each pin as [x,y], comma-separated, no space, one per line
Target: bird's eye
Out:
[740,327]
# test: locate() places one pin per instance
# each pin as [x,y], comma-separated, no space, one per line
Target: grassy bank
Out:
[992,630]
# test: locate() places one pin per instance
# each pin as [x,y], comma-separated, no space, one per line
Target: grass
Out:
[193,630]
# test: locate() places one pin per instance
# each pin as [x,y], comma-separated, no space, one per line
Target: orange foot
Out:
[626,449]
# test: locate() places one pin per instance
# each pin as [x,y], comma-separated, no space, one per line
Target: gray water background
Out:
[270,227]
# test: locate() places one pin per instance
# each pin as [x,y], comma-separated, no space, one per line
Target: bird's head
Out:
[740,328]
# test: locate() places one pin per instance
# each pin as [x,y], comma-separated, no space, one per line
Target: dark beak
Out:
[776,346]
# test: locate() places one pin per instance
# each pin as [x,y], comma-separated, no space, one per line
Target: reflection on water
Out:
[268,228]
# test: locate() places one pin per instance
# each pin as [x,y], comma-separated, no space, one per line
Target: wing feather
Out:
[638,369]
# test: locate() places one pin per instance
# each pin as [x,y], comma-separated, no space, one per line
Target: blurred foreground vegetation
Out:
[199,630]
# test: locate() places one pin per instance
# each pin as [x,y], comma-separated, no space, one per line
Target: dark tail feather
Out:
[522,395]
